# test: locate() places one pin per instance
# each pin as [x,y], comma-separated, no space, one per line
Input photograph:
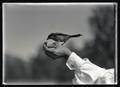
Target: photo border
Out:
[83,3]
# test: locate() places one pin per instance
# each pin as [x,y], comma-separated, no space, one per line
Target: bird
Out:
[61,37]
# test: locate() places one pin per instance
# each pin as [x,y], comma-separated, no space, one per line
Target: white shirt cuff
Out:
[73,61]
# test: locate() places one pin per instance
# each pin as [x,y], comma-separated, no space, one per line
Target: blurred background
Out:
[26,27]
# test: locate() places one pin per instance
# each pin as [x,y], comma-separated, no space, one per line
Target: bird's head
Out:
[51,36]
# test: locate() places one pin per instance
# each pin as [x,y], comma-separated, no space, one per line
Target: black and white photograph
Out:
[59,43]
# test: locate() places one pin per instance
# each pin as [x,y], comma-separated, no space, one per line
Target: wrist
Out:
[68,53]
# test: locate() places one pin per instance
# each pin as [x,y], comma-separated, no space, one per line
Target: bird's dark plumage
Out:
[60,37]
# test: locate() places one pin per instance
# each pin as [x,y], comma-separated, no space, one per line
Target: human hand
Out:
[58,51]
[51,43]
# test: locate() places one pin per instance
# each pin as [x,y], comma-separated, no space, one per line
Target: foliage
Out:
[102,50]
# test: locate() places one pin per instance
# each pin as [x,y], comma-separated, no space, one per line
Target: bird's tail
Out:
[76,35]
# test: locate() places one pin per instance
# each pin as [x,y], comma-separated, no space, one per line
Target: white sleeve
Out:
[85,71]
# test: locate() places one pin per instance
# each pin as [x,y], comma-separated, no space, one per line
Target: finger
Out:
[51,55]
[45,43]
[48,52]
[48,49]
